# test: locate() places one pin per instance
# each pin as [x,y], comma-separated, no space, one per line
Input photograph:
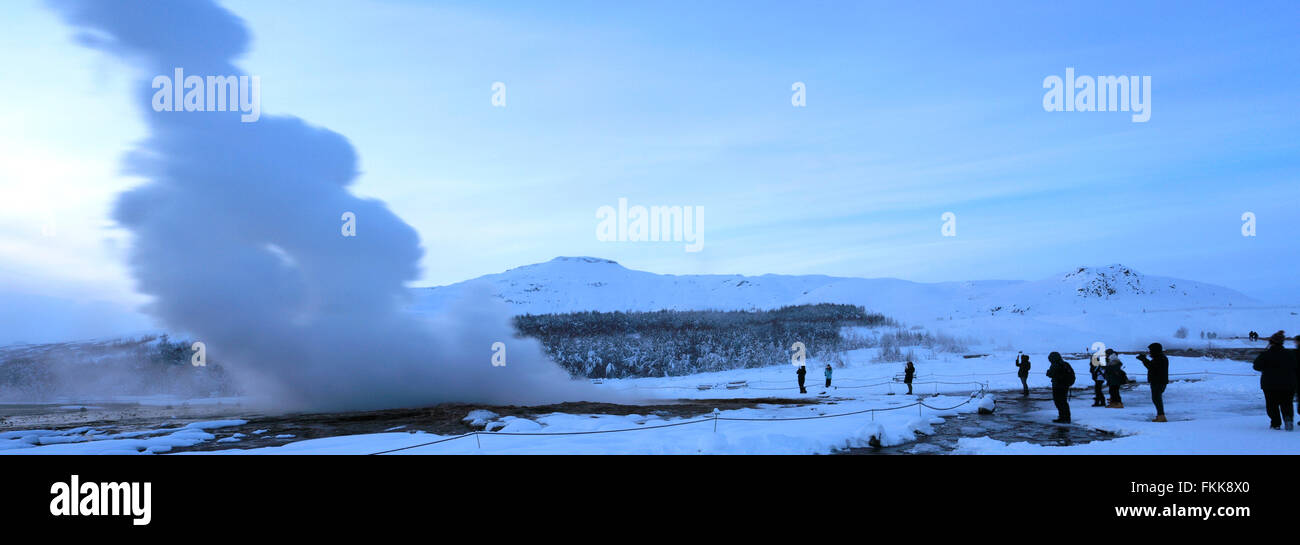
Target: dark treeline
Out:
[667,342]
[143,366]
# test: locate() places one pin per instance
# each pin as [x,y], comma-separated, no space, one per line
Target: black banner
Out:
[324,493]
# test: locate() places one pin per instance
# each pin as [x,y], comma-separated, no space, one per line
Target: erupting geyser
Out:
[237,240]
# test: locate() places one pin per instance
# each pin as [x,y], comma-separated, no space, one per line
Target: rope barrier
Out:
[1199,373]
[747,387]
[972,374]
[859,386]
[949,383]
[863,411]
[592,432]
[896,380]
[715,419]
[817,417]
[856,379]
[426,444]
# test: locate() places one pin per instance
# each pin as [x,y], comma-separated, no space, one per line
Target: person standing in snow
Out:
[1115,377]
[1297,373]
[1098,381]
[1158,376]
[800,373]
[1062,376]
[1023,365]
[828,375]
[1277,368]
[908,374]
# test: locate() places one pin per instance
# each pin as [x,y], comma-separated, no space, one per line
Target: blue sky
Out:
[912,111]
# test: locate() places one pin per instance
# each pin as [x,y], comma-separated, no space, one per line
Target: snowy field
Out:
[1214,406]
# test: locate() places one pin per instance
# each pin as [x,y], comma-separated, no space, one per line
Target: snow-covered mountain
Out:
[567,284]
[1113,304]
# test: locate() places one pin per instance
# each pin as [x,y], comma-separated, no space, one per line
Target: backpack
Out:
[1061,373]
[1069,375]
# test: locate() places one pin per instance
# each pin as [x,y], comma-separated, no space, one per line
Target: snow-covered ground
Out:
[1214,412]
[1215,406]
[1219,412]
[87,440]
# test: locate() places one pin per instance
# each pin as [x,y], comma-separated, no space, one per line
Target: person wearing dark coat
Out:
[1158,376]
[1098,381]
[801,372]
[908,374]
[1115,377]
[1297,374]
[1062,376]
[1023,365]
[1277,377]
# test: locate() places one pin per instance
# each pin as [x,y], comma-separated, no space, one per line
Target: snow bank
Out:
[85,441]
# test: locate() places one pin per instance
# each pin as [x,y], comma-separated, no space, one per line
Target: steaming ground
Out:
[101,428]
[237,239]
[1214,406]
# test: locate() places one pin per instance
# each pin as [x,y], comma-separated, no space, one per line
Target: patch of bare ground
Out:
[447,419]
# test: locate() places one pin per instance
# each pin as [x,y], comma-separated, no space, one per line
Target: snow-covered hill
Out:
[567,284]
[1084,305]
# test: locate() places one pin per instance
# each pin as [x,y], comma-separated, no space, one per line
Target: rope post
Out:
[715,420]
[873,415]
[478,441]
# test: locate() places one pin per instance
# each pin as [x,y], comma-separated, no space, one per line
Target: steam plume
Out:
[237,239]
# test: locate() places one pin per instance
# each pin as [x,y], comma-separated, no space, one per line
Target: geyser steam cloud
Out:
[237,239]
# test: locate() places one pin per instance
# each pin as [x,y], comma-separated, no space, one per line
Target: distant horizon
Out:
[1051,275]
[106,314]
